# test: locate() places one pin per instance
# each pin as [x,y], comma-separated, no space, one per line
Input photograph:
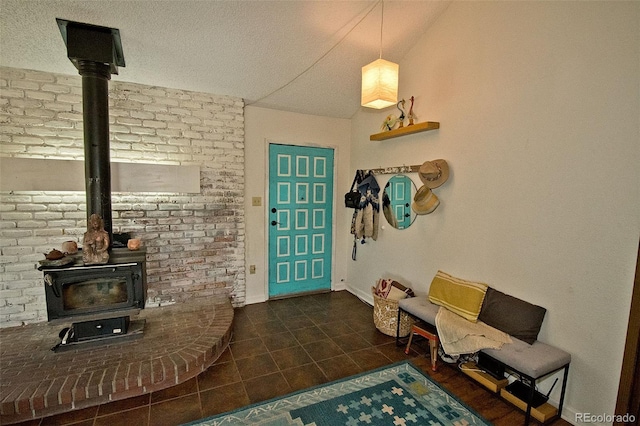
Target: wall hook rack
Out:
[393,170]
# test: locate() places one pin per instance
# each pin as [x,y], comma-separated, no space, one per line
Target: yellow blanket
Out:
[460,336]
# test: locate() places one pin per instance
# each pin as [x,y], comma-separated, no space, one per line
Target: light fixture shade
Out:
[379,84]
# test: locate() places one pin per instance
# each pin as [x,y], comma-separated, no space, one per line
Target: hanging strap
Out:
[354,250]
[355,178]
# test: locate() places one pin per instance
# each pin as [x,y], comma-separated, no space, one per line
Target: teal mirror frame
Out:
[396,201]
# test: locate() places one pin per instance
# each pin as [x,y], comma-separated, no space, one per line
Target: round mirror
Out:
[396,201]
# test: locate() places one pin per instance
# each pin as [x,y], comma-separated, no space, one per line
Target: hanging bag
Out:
[352,198]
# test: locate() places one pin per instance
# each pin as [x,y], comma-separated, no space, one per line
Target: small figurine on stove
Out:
[96,242]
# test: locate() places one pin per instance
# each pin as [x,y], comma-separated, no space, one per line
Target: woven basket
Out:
[385,317]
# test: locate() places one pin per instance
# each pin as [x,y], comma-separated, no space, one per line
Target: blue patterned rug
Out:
[398,394]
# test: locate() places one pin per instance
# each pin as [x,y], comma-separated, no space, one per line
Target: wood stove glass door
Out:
[95,294]
[300,219]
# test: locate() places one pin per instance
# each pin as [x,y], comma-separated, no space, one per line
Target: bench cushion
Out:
[420,307]
[514,316]
[535,360]
[457,295]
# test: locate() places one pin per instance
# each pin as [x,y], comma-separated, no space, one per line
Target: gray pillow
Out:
[514,316]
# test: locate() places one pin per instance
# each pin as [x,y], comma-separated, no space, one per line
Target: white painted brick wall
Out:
[195,242]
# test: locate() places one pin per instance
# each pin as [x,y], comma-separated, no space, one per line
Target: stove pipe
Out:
[96,52]
[97,159]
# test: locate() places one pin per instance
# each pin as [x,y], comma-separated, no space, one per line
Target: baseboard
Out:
[570,415]
[364,296]
[254,300]
[339,286]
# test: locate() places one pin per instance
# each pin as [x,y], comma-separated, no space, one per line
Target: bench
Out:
[531,362]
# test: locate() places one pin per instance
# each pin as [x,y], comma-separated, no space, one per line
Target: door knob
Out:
[273,210]
[274,223]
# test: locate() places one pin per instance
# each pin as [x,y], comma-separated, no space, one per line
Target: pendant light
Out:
[380,80]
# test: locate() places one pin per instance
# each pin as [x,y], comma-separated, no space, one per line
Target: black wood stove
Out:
[97,300]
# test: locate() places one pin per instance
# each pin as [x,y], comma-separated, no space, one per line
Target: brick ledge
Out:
[179,342]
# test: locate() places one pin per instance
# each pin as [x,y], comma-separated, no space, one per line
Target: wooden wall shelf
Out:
[406,130]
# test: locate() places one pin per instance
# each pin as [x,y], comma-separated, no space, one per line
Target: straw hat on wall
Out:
[434,173]
[425,201]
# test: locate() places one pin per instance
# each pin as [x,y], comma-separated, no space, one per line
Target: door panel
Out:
[300,226]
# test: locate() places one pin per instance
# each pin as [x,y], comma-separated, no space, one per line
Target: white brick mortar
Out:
[195,242]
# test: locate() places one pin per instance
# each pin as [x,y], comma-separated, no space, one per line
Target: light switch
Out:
[256,201]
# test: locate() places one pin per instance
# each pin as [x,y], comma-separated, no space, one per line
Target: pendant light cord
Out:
[325,54]
[381,24]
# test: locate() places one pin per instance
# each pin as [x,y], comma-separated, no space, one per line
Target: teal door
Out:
[300,219]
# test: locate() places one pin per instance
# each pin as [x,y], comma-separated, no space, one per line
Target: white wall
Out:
[539,109]
[261,127]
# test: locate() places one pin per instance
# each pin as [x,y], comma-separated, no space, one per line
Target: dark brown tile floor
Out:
[280,347]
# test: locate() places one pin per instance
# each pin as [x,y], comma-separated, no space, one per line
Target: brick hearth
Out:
[179,342]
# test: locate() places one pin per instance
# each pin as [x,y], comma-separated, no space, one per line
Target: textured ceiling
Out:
[297,55]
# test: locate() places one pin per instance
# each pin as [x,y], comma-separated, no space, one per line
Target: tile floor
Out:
[278,347]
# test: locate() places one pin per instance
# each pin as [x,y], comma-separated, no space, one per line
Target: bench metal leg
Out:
[532,391]
[565,376]
[399,341]
[564,388]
